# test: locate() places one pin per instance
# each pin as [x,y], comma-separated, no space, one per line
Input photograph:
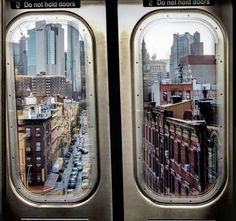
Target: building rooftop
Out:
[176,104]
[189,122]
[198,60]
[176,87]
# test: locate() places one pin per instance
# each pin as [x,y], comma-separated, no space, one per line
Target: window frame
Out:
[137,35]
[13,154]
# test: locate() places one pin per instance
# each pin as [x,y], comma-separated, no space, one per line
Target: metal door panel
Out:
[138,205]
[99,203]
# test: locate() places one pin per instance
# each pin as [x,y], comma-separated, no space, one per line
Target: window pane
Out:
[37,132]
[52,71]
[38,146]
[179,84]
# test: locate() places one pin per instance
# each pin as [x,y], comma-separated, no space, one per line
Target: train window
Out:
[179,94]
[51,108]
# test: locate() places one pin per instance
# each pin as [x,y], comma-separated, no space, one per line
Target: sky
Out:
[159,37]
[22,28]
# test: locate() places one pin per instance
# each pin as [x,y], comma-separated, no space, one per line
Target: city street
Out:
[76,162]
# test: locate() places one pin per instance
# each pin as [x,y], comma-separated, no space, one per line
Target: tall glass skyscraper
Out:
[31,52]
[74,60]
[185,44]
[55,57]
[46,49]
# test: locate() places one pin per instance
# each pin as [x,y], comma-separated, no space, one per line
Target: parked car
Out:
[77,163]
[68,155]
[70,149]
[84,150]
[71,185]
[85,175]
[70,190]
[84,183]
[75,169]
[72,180]
[72,142]
[74,176]
[80,167]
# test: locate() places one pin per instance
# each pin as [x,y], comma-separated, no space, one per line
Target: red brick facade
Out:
[175,154]
[169,90]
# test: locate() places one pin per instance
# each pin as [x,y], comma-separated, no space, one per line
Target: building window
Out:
[166,178]
[149,135]
[27,132]
[166,142]
[164,96]
[179,153]
[179,187]
[38,159]
[37,146]
[27,148]
[212,159]
[172,183]
[153,137]
[158,170]
[37,132]
[196,163]
[161,185]
[188,95]
[43,60]
[187,191]
[186,155]
[161,154]
[38,178]
[172,151]
[184,146]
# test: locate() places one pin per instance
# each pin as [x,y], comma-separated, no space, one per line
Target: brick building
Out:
[176,153]
[43,85]
[183,45]
[37,149]
[40,128]
[167,91]
[199,67]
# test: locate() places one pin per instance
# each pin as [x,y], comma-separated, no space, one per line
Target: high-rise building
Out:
[46,49]
[83,75]
[73,60]
[185,44]
[22,56]
[154,71]
[16,56]
[179,156]
[55,50]
[41,46]
[31,52]
[35,125]
[200,67]
[196,48]
[43,85]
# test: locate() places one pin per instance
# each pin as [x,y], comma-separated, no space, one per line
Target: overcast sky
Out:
[22,29]
[159,37]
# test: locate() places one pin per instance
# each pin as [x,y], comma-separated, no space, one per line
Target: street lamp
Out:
[27,177]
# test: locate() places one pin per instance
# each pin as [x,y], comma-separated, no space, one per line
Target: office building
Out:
[183,45]
[73,61]
[179,155]
[46,49]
